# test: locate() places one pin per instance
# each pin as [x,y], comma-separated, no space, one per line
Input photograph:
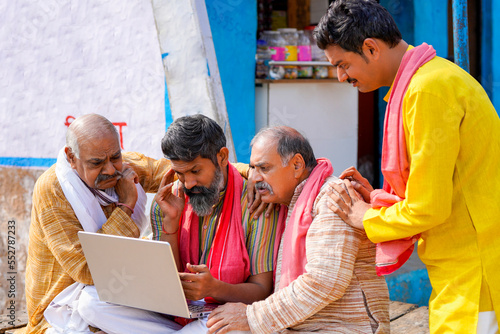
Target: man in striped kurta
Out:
[223,254]
[55,257]
[325,278]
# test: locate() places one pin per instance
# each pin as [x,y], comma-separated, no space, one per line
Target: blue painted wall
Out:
[403,13]
[461,34]
[234,25]
[431,25]
[495,63]
[487,47]
[411,287]
[26,162]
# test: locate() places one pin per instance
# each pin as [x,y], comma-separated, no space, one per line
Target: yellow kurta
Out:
[452,196]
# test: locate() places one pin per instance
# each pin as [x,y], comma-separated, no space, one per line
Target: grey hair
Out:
[288,143]
[87,127]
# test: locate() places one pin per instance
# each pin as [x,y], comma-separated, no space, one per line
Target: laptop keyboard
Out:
[201,308]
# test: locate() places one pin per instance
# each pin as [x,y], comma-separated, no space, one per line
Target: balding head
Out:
[281,159]
[93,150]
[88,128]
[288,142]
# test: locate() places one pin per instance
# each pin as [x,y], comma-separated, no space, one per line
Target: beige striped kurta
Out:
[339,292]
[55,257]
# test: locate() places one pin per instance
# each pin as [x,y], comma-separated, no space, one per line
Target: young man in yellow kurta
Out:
[452,195]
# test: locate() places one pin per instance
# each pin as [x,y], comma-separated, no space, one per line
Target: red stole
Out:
[391,255]
[294,257]
[228,259]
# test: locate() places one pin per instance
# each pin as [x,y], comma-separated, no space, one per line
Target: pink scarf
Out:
[228,259]
[392,255]
[294,242]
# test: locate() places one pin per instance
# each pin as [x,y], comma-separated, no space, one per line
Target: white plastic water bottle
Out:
[304,54]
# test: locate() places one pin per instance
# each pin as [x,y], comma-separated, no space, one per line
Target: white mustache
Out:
[264,185]
[101,177]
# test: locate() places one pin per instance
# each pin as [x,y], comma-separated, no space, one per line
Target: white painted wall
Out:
[63,58]
[326,113]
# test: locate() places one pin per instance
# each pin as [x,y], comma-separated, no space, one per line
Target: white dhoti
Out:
[114,319]
[487,323]
[117,319]
[200,327]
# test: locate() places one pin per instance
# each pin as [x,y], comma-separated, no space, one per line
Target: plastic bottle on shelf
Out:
[264,36]
[319,71]
[316,52]
[262,58]
[304,54]
[277,47]
[291,38]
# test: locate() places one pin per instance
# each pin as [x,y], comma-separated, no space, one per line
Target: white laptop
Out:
[138,273]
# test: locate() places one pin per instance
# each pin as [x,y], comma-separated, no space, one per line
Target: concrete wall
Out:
[16,189]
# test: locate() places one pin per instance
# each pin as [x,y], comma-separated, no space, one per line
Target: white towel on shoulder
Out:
[62,313]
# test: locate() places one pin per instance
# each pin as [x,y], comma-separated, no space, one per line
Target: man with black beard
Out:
[222,253]
[202,199]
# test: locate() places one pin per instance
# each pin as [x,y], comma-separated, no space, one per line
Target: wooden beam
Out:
[299,14]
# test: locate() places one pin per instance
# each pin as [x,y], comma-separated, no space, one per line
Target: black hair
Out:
[347,23]
[191,136]
[289,143]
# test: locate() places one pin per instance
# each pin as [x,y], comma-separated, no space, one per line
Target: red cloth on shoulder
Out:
[294,257]
[392,255]
[228,259]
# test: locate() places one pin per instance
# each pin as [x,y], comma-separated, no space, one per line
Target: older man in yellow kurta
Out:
[450,164]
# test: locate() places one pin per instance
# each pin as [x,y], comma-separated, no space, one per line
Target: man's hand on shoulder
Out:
[360,184]
[347,204]
[228,317]
[255,204]
[199,283]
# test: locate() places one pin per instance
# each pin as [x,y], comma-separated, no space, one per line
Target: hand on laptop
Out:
[199,283]
[228,317]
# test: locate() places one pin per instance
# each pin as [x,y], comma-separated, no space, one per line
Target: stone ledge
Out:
[405,318]
[6,322]
[408,318]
